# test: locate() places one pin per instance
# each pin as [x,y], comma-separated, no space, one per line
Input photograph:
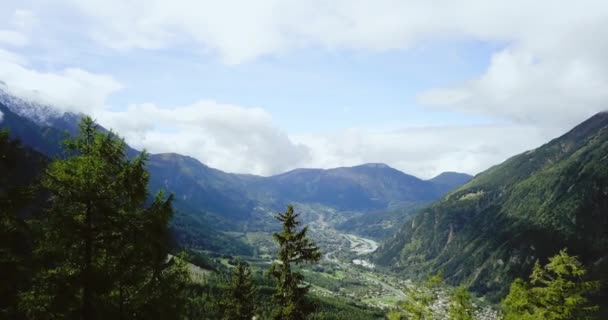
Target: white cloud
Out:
[244,30]
[1,116]
[70,89]
[246,140]
[521,88]
[228,137]
[553,56]
[425,151]
[8,57]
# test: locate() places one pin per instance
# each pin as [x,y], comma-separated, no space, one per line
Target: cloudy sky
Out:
[266,86]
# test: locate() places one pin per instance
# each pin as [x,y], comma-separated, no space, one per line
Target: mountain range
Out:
[210,201]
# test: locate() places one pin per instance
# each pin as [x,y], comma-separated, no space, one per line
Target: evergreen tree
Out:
[104,254]
[294,248]
[239,301]
[460,306]
[557,291]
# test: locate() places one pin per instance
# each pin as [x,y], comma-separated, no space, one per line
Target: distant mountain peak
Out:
[40,113]
[374,165]
[451,175]
[450,180]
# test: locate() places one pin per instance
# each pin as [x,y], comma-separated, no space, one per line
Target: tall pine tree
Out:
[104,253]
[294,248]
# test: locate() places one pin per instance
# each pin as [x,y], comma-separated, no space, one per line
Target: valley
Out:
[345,271]
[381,233]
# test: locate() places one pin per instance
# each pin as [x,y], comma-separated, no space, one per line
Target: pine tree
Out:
[294,248]
[461,307]
[104,254]
[239,301]
[556,291]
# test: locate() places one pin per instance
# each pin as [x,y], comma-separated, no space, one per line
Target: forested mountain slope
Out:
[493,228]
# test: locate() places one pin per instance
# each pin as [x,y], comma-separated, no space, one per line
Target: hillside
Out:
[493,228]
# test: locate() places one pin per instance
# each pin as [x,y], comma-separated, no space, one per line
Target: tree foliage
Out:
[422,302]
[103,253]
[420,299]
[294,248]
[556,291]
[240,297]
[461,307]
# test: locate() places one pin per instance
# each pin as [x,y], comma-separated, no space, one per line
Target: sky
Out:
[266,86]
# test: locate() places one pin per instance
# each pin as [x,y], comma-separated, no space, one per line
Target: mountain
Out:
[365,187]
[211,202]
[494,227]
[447,181]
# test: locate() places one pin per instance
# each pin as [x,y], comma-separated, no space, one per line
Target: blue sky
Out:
[266,86]
[306,91]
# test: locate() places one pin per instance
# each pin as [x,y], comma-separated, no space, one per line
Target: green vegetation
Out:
[461,307]
[207,301]
[556,291]
[419,300]
[429,300]
[491,230]
[294,248]
[99,252]
[239,302]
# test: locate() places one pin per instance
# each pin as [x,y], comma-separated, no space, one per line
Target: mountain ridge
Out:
[51,119]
